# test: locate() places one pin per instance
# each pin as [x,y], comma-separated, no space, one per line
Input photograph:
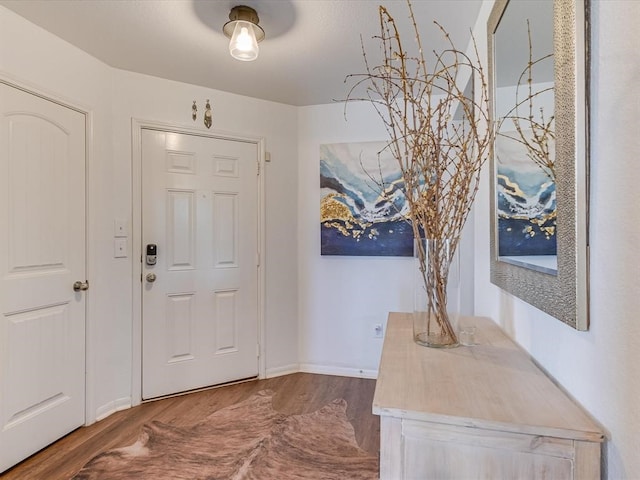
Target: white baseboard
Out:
[112,407]
[338,371]
[284,370]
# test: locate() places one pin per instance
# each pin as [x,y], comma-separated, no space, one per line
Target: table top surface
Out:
[493,384]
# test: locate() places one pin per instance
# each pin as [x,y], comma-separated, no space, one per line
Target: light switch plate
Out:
[120,228]
[120,248]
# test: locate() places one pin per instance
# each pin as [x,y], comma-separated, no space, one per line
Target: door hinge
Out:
[257,259]
[258,167]
[258,350]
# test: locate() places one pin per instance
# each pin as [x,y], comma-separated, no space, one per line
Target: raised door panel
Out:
[181,235]
[179,327]
[225,229]
[38,236]
[226,321]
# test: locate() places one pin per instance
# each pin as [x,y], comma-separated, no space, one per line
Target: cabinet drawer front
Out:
[557,447]
[441,451]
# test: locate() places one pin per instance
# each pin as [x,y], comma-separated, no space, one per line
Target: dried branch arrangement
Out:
[539,143]
[440,158]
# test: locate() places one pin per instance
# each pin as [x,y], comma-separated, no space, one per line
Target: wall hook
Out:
[208,119]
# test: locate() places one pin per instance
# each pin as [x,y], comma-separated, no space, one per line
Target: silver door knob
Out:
[80,286]
[151,277]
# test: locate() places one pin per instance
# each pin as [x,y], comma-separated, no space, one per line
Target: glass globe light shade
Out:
[243,45]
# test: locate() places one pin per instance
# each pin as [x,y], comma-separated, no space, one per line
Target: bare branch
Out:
[440,157]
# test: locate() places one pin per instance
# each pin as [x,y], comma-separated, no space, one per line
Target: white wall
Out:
[342,298]
[601,367]
[37,59]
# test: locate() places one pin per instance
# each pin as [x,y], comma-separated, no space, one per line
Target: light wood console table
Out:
[476,412]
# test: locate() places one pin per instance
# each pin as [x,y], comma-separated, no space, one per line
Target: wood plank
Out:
[587,465]
[491,385]
[294,394]
[391,465]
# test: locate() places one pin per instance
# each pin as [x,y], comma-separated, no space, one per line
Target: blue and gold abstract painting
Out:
[526,201]
[363,210]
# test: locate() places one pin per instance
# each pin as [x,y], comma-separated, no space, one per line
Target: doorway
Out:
[200,240]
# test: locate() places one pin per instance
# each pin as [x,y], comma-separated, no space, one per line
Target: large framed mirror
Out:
[538,74]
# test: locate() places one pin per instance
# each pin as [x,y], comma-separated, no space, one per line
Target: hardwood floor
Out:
[294,394]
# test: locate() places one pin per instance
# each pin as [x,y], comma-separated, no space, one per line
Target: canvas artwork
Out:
[363,210]
[526,202]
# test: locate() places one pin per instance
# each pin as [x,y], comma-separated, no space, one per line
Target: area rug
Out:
[246,441]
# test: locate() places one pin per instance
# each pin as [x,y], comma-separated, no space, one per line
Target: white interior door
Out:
[200,299]
[42,254]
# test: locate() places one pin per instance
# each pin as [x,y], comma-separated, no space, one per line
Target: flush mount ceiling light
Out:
[244,32]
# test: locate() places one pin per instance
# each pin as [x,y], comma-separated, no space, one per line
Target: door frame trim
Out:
[137,125]
[89,204]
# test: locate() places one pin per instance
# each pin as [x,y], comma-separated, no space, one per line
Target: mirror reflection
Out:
[538,64]
[525,142]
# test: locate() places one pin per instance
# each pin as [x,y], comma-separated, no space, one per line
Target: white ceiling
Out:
[309,49]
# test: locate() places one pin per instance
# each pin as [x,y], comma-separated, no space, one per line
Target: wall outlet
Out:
[377,330]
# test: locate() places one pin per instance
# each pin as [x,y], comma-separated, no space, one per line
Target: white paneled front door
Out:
[200,298]
[42,255]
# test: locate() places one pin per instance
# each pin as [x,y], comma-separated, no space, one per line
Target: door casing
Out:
[137,126]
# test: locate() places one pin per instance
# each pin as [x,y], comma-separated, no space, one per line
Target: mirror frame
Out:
[565,295]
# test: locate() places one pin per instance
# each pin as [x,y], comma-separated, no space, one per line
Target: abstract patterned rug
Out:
[247,441]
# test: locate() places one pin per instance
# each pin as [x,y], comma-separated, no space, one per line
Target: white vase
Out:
[436,293]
